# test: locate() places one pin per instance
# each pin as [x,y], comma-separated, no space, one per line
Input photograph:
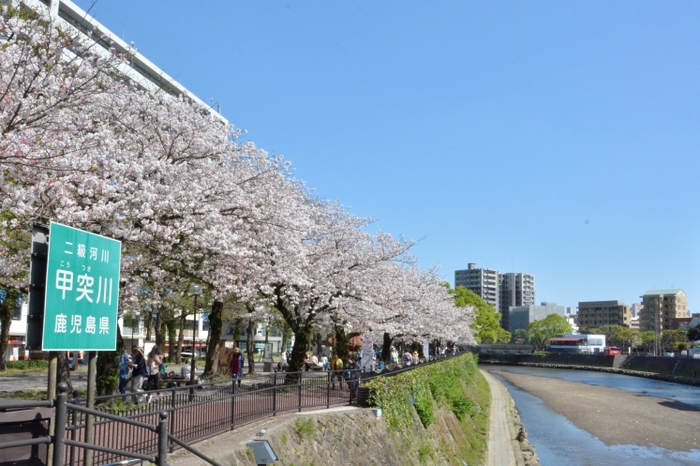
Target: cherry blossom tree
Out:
[82,145]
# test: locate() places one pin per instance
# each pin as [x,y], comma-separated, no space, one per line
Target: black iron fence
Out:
[178,416]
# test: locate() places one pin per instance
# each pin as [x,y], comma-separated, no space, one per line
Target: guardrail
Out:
[176,417]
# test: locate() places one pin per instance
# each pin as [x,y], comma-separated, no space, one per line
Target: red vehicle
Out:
[611,351]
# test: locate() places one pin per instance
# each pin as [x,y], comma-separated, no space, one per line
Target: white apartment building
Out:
[484,282]
[70,17]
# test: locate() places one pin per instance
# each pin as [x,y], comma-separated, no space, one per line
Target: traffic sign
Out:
[82,291]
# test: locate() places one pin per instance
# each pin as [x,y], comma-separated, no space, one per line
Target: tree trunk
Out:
[158,329]
[6,311]
[340,345]
[250,346]
[107,380]
[213,339]
[286,334]
[147,323]
[386,348]
[302,339]
[319,344]
[173,354]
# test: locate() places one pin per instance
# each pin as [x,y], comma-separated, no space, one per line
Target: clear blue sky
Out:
[554,138]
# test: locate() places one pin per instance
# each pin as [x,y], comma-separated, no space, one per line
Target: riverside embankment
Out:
[434,415]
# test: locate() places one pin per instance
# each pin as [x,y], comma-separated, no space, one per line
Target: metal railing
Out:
[175,417]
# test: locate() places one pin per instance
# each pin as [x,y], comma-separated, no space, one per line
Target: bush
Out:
[441,383]
[36,364]
[304,428]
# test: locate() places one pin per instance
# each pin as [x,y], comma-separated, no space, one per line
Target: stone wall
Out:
[356,437]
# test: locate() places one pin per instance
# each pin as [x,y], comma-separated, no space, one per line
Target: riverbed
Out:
[593,418]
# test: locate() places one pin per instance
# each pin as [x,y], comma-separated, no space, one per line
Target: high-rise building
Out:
[660,308]
[484,282]
[517,289]
[593,314]
[139,69]
[502,291]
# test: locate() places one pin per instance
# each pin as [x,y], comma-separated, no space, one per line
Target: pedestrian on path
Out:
[352,374]
[139,375]
[125,372]
[236,365]
[336,371]
[155,359]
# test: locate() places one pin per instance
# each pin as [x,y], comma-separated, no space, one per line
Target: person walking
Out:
[352,374]
[236,365]
[336,371]
[124,372]
[155,359]
[139,375]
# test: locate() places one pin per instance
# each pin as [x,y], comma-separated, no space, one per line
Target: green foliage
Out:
[424,453]
[424,406]
[462,406]
[680,346]
[304,428]
[617,335]
[540,331]
[28,365]
[486,323]
[519,337]
[26,395]
[504,336]
[441,383]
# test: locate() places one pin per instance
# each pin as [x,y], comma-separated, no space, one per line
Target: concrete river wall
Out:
[679,370]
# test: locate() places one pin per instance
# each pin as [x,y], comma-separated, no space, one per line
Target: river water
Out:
[559,442]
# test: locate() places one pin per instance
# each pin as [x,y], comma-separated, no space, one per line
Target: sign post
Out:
[81,300]
[82,291]
[267,358]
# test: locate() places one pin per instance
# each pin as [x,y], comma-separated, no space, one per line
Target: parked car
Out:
[611,351]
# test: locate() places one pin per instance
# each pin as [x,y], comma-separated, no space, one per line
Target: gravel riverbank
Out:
[615,416]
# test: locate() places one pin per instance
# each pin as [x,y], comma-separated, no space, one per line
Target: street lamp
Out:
[195,290]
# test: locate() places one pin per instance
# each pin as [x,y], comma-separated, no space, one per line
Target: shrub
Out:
[304,428]
[35,364]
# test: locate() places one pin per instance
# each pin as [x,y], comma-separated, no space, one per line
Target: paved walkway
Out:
[502,444]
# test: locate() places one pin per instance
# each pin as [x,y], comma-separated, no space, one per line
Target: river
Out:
[559,442]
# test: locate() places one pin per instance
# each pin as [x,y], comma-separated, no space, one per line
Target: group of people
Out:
[143,372]
[313,363]
[348,372]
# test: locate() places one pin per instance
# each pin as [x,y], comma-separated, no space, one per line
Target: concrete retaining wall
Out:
[555,358]
[678,370]
[684,367]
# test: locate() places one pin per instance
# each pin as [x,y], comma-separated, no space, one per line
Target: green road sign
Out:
[82,291]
